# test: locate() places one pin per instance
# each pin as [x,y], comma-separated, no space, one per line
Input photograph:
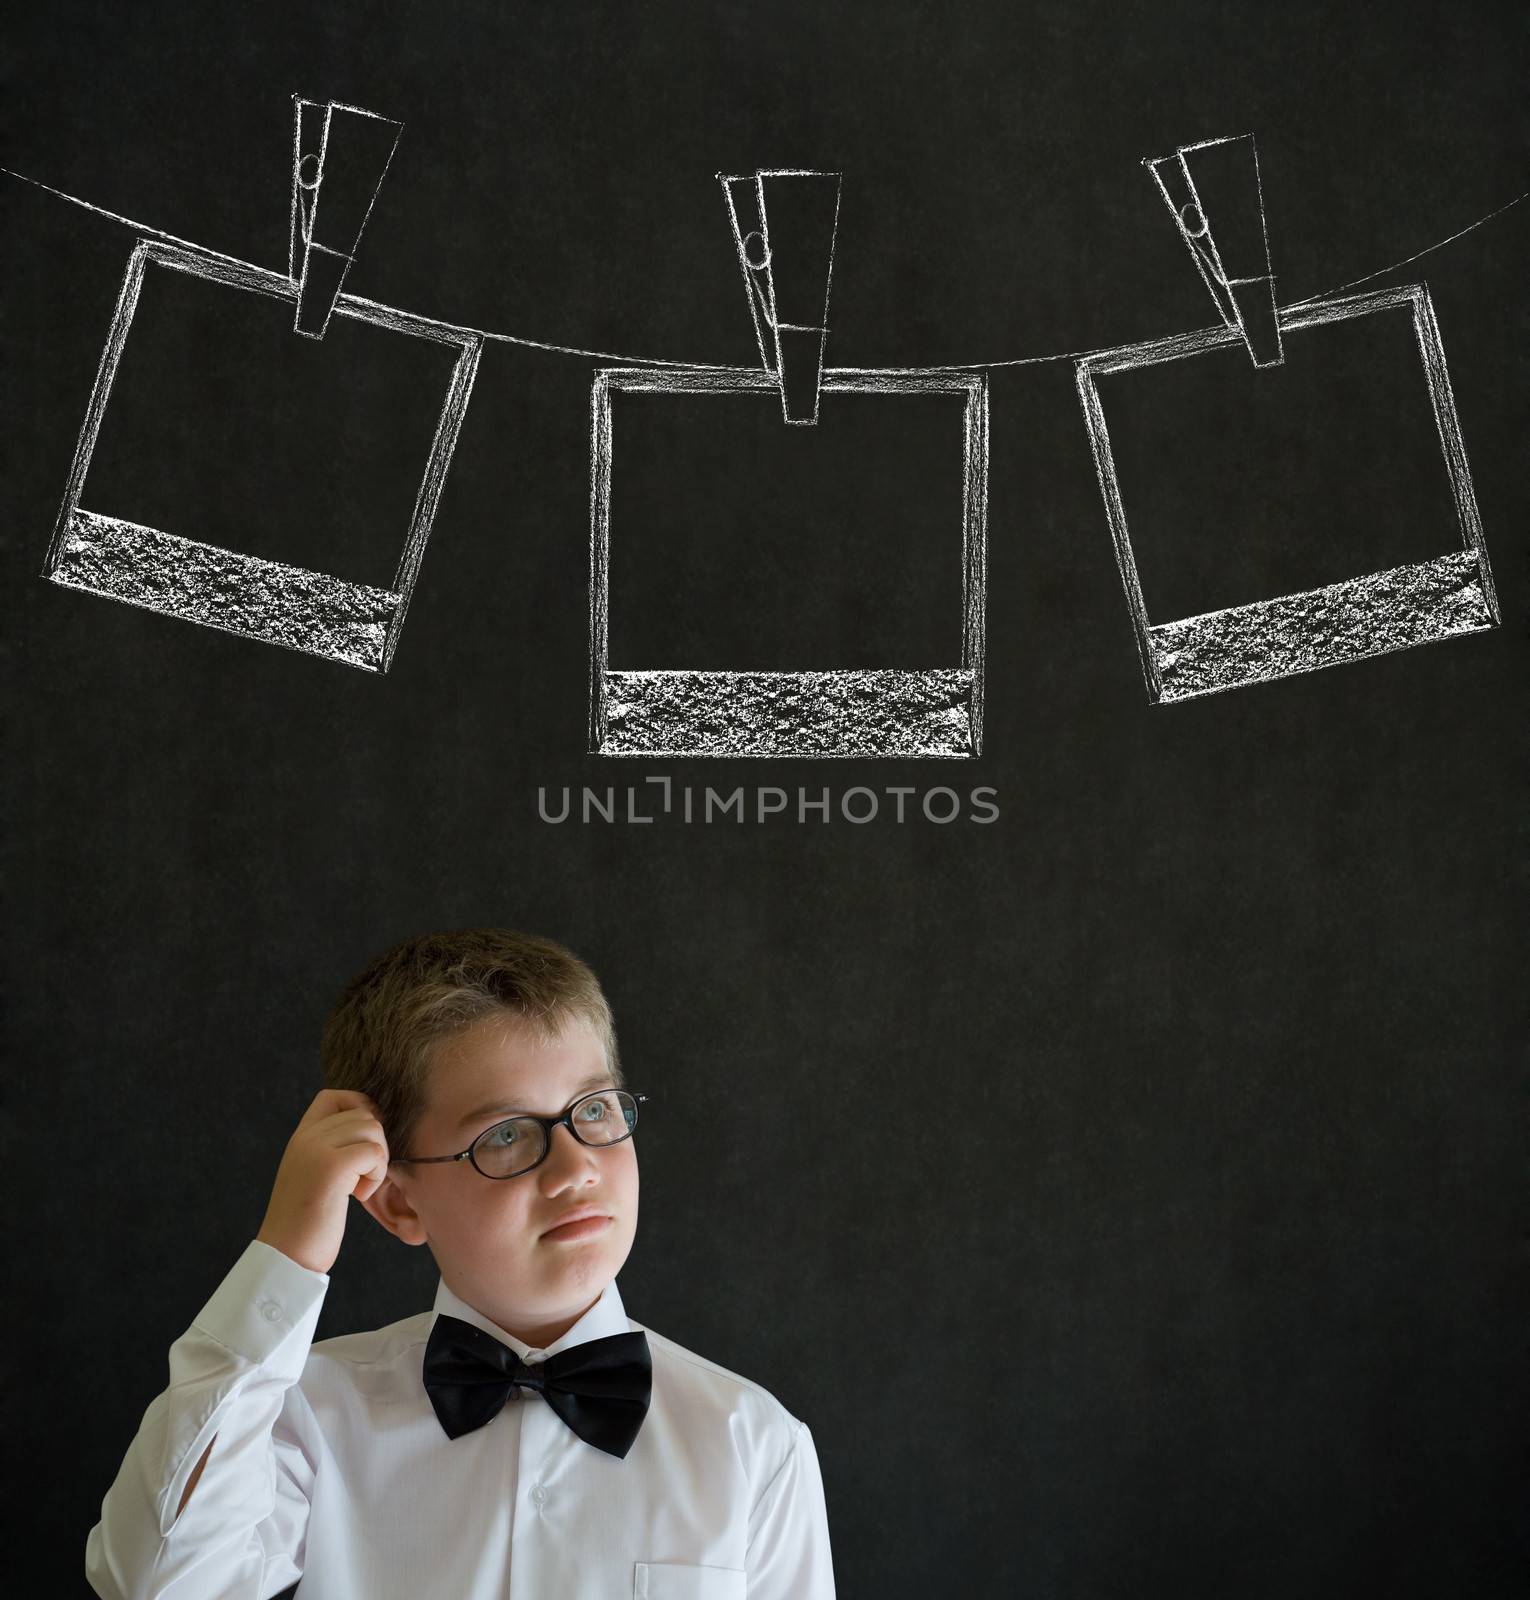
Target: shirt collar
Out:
[606,1316]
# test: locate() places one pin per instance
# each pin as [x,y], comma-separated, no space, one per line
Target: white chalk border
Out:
[934,712]
[1346,621]
[271,601]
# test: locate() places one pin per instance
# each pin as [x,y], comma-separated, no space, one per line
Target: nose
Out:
[569,1164]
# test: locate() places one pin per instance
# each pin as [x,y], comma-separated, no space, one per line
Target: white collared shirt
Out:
[330,1465]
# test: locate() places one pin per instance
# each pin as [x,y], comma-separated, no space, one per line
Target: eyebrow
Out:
[494,1108]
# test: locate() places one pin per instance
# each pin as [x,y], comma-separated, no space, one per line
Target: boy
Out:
[523,1439]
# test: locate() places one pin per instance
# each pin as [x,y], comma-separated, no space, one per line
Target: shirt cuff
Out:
[265,1297]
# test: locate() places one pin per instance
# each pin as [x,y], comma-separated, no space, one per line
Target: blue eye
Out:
[505,1134]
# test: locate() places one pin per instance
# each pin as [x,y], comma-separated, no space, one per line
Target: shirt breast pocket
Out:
[670,1580]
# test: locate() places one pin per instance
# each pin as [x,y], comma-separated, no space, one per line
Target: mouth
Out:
[581,1225]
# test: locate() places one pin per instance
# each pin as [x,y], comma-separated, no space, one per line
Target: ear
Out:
[390,1205]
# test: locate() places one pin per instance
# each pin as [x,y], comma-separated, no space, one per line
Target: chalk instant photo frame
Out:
[353,623]
[929,711]
[1347,621]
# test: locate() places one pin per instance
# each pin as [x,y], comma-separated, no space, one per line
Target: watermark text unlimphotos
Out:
[659,799]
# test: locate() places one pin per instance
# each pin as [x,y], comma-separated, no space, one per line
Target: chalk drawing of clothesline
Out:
[352,623]
[492,336]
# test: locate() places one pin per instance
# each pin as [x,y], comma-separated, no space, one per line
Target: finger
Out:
[368,1184]
[371,1178]
[333,1135]
[327,1101]
[365,1154]
[357,1118]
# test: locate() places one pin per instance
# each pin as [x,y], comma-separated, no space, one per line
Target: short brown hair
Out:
[383,1031]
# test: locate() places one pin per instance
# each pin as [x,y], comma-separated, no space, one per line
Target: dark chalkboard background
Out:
[1229,1298]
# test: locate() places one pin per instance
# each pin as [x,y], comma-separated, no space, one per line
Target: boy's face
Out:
[490,1236]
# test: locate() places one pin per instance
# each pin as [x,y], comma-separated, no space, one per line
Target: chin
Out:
[602,1262]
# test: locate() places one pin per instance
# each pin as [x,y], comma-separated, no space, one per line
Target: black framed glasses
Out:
[516,1145]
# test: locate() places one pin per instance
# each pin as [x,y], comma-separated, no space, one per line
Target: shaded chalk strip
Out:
[890,712]
[244,594]
[1348,621]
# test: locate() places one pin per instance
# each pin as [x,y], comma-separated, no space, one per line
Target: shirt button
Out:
[271,1311]
[538,1495]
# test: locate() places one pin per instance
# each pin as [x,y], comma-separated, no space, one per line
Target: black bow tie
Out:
[599,1388]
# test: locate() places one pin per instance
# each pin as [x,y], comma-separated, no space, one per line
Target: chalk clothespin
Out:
[1213,190]
[783,229]
[340,154]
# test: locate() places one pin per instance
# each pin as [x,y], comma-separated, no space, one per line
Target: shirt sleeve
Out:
[233,1377]
[789,1531]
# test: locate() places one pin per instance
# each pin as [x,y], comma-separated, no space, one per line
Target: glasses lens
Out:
[607,1117]
[508,1147]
